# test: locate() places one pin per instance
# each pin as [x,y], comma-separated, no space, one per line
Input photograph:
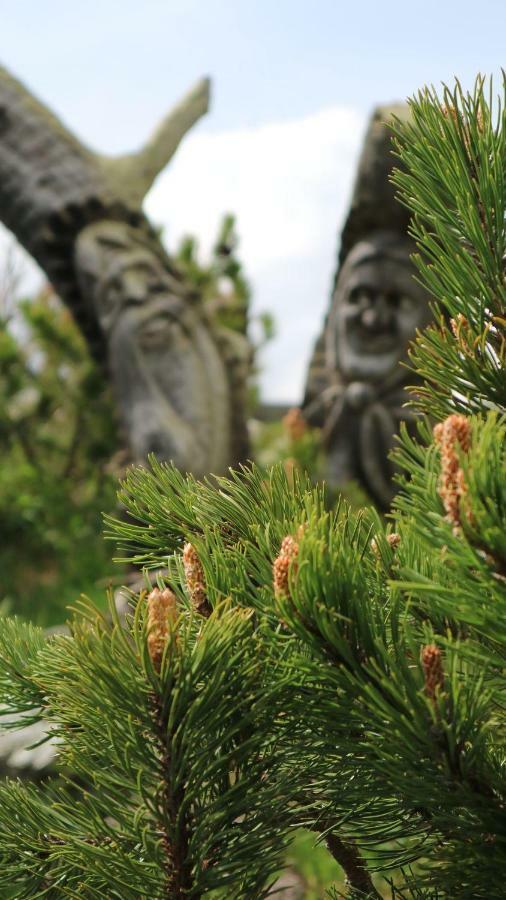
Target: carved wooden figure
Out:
[80,216]
[356,384]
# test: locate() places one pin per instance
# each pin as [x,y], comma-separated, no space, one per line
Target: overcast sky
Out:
[293,84]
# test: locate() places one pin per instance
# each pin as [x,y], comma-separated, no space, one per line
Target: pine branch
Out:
[453,150]
[354,866]
[134,173]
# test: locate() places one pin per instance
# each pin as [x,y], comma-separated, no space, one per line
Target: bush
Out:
[58,438]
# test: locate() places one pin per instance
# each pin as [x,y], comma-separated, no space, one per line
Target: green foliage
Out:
[455,185]
[406,776]
[473,556]
[274,442]
[57,437]
[350,677]
[177,764]
[311,867]
[221,283]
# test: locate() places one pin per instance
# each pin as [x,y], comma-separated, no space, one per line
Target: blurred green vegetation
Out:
[220,282]
[57,440]
[315,871]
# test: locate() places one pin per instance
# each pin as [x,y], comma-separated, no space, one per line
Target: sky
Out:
[293,84]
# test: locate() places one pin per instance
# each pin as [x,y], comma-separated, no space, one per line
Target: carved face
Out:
[169,378]
[378,307]
[119,269]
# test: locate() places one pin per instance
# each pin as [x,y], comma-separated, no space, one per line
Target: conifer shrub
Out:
[294,665]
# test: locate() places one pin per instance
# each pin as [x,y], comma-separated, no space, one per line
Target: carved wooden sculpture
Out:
[80,216]
[356,383]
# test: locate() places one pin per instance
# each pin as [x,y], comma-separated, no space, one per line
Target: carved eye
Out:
[157,286]
[400,301]
[360,295]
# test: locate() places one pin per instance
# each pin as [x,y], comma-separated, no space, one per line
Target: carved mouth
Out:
[158,331]
[374,345]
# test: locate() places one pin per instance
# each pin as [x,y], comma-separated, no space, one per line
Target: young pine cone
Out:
[283,564]
[162,613]
[432,665]
[451,434]
[195,581]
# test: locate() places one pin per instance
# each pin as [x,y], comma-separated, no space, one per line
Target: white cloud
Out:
[289,185]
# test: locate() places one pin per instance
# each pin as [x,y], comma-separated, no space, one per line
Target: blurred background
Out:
[293,83]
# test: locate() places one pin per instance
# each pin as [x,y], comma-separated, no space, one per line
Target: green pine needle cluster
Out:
[166,765]
[454,151]
[342,675]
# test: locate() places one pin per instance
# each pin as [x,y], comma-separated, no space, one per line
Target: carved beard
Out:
[176,388]
[168,375]
[363,403]
[359,434]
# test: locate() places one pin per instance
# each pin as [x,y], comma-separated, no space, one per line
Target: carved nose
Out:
[370,318]
[379,315]
[135,294]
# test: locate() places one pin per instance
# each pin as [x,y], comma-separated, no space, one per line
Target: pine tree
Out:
[295,664]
